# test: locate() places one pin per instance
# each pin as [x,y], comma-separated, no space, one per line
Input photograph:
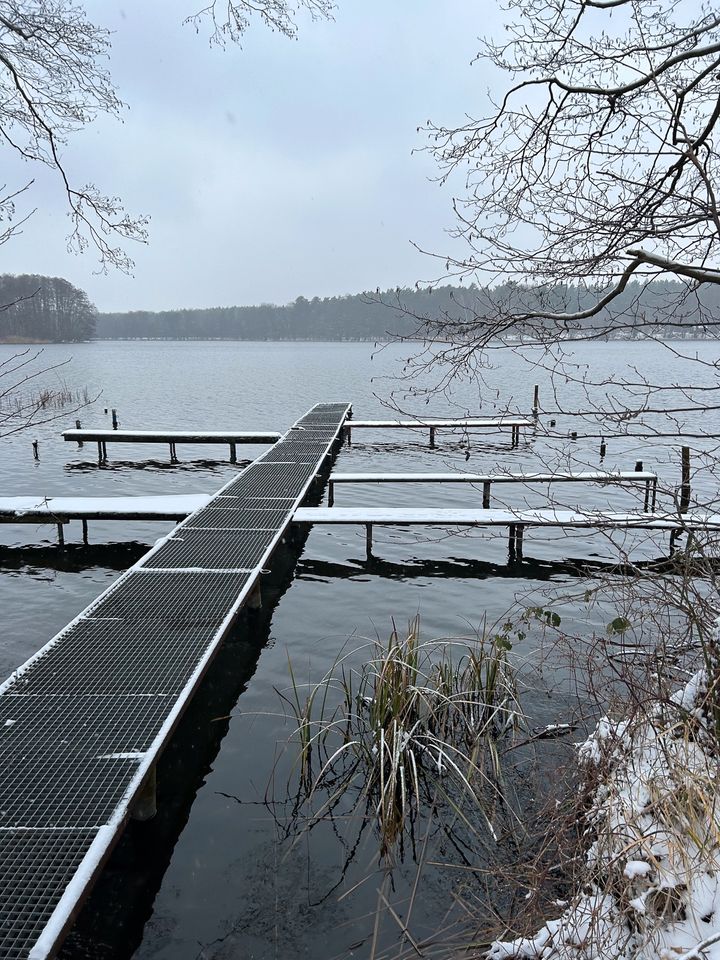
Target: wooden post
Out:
[348,435]
[368,539]
[511,542]
[331,493]
[254,600]
[233,453]
[685,485]
[603,448]
[114,420]
[638,466]
[61,535]
[536,401]
[654,494]
[519,530]
[78,426]
[145,804]
[432,438]
[486,494]
[100,457]
[646,505]
[36,454]
[104,451]
[85,532]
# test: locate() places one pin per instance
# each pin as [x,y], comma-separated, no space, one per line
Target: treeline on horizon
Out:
[33,307]
[52,309]
[403,313]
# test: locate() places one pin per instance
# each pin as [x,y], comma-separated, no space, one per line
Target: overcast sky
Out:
[281,169]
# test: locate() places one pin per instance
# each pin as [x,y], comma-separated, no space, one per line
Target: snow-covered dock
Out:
[83,722]
[433,425]
[61,510]
[515,520]
[487,479]
[172,438]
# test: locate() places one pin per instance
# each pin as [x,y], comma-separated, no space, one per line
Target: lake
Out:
[223,871]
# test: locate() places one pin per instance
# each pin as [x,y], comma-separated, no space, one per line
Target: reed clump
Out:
[396,723]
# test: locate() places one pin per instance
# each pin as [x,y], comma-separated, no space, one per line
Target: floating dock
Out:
[171,437]
[83,722]
[515,424]
[515,520]
[61,510]
[487,479]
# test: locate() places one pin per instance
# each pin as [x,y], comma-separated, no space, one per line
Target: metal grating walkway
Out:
[84,720]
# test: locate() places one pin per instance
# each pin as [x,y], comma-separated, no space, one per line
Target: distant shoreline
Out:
[20,341]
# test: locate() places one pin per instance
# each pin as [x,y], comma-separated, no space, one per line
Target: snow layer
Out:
[89,507]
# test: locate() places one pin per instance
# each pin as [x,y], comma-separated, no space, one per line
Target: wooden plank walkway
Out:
[83,722]
[171,437]
[433,425]
[61,510]
[487,479]
[515,520]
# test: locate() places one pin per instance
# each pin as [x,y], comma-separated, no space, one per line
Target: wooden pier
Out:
[515,520]
[172,437]
[487,479]
[515,424]
[83,722]
[61,510]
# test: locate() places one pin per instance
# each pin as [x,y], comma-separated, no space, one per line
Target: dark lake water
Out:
[214,876]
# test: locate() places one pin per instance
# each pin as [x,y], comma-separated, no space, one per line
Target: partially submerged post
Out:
[145,805]
[685,481]
[536,402]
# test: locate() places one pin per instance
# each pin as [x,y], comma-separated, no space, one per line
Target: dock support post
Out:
[85,532]
[331,493]
[114,420]
[145,805]
[254,600]
[99,451]
[36,453]
[432,438]
[486,494]
[61,535]
[536,401]
[515,541]
[368,539]
[78,426]
[173,454]
[348,435]
[654,495]
[685,484]
[233,453]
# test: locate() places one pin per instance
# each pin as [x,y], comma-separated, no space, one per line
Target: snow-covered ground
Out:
[650,888]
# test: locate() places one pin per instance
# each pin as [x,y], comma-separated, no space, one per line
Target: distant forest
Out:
[35,308]
[400,313]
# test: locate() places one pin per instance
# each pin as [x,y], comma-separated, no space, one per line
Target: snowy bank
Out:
[650,887]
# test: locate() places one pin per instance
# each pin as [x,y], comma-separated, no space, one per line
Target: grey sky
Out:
[280,169]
